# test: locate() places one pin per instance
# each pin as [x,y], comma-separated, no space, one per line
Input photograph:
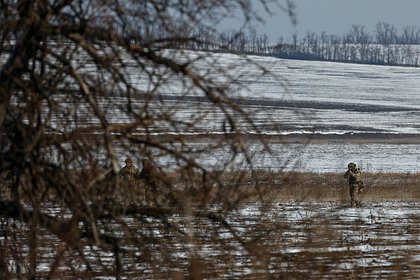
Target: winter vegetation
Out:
[386,46]
[86,84]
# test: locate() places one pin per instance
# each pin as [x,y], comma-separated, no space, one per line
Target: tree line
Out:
[385,46]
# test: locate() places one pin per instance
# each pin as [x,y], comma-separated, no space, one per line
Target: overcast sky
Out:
[337,16]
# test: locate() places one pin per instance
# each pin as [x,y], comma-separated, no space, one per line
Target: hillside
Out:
[318,116]
[311,97]
[337,98]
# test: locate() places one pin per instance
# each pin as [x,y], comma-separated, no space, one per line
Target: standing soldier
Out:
[354,178]
[129,173]
[130,176]
[149,175]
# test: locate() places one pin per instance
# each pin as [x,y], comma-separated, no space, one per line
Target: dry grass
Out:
[301,186]
[333,186]
[272,235]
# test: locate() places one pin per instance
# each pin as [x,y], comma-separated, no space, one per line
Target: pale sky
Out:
[337,16]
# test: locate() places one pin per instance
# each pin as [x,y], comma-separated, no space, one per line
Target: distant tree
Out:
[295,42]
[252,35]
[410,35]
[335,44]
[263,44]
[84,84]
[385,33]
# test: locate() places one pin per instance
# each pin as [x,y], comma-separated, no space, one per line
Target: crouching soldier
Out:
[354,178]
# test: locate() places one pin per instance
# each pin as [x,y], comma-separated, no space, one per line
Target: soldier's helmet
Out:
[352,165]
[128,161]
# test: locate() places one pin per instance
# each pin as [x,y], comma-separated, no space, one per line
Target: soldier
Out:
[149,175]
[130,173]
[354,177]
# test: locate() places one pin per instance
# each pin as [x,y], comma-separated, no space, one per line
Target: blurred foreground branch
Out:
[85,84]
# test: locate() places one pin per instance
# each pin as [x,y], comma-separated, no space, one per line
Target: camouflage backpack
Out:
[360,184]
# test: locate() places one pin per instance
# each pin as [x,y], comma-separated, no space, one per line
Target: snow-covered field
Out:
[311,240]
[371,104]
[338,99]
[329,240]
[310,96]
[335,157]
[326,97]
[334,100]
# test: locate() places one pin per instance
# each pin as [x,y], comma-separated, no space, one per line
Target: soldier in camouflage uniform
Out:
[149,175]
[354,178]
[130,174]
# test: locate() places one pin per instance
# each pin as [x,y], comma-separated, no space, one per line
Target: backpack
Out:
[360,184]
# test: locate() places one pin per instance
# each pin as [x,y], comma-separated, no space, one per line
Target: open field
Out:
[321,115]
[311,240]
[327,240]
[315,117]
